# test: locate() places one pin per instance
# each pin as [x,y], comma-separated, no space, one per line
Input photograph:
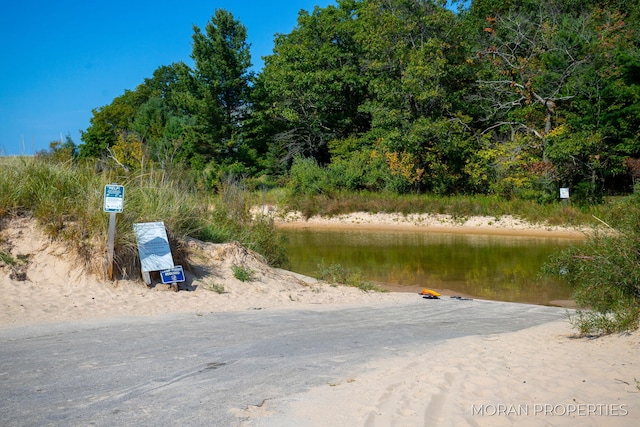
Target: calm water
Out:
[502,268]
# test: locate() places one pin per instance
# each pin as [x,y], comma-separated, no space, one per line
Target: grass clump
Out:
[337,274]
[7,259]
[216,287]
[17,265]
[604,273]
[244,274]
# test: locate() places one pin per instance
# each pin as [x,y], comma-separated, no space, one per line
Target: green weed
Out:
[337,274]
[244,274]
[6,258]
[459,207]
[216,287]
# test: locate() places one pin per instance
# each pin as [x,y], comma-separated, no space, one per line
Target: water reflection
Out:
[503,268]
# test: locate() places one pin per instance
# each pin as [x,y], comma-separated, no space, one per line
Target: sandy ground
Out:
[539,376]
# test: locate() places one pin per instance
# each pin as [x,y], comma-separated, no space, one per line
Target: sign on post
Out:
[113,198]
[564,193]
[113,203]
[153,248]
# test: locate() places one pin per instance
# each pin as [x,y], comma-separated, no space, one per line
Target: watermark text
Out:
[551,410]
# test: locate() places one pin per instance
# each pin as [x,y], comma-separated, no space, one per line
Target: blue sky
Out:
[64,58]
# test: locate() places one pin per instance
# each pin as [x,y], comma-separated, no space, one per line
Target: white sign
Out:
[113,198]
[564,193]
[153,246]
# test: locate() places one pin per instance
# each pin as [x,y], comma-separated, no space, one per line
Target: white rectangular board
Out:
[153,246]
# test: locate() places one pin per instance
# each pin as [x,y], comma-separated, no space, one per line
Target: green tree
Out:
[61,151]
[222,81]
[313,85]
[555,77]
[107,122]
[532,61]
[414,62]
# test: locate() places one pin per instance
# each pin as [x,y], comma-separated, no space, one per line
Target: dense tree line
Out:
[509,97]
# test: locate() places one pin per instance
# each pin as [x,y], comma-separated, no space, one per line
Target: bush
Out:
[605,273]
[307,177]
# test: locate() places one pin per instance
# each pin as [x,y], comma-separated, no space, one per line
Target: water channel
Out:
[496,267]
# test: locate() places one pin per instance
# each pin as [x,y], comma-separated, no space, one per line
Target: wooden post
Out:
[110,244]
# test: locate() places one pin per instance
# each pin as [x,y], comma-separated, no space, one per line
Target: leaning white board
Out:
[153,246]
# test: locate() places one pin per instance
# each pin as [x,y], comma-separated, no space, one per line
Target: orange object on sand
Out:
[429,292]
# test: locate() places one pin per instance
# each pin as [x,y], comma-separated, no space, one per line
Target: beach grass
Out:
[337,274]
[67,199]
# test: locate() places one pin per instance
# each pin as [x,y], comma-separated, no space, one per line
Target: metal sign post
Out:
[113,203]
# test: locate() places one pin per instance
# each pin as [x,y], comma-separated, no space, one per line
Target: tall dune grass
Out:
[67,200]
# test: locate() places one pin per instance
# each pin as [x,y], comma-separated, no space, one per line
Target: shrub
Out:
[605,273]
[307,177]
[231,220]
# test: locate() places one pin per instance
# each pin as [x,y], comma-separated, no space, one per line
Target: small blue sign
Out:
[113,198]
[172,275]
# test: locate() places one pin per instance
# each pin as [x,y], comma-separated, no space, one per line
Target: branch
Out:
[113,157]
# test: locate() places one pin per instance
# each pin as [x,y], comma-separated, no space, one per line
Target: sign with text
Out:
[113,198]
[153,246]
[172,275]
[564,193]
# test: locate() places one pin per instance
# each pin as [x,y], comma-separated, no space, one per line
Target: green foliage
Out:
[184,116]
[508,98]
[307,177]
[107,122]
[621,317]
[222,60]
[244,274]
[313,84]
[17,265]
[457,206]
[61,151]
[6,258]
[232,220]
[337,274]
[364,169]
[605,273]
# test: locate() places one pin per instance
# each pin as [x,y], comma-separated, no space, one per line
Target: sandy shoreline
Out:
[432,223]
[478,381]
